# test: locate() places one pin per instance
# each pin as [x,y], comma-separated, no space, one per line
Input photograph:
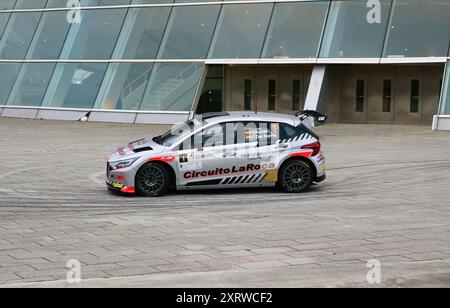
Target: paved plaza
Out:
[387,198]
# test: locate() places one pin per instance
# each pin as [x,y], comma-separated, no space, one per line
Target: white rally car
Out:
[223,150]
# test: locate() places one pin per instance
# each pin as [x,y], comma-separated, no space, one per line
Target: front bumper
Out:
[118,180]
[119,187]
[320,178]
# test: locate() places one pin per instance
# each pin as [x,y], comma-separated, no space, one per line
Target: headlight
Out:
[122,164]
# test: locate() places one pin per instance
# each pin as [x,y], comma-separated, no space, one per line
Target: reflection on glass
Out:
[142,32]
[7,4]
[4,17]
[419,28]
[446,92]
[295,30]
[351,32]
[75,85]
[189,32]
[49,37]
[8,75]
[30,87]
[18,34]
[172,87]
[96,35]
[241,30]
[125,84]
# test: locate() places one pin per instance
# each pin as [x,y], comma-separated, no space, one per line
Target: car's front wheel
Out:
[152,180]
[296,176]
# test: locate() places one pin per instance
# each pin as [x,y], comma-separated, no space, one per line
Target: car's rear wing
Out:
[309,118]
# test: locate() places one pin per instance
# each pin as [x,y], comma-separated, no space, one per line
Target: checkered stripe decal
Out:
[244,179]
[304,136]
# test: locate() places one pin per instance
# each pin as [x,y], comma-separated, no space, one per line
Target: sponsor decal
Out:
[258,133]
[320,158]
[117,185]
[225,171]
[166,159]
[183,158]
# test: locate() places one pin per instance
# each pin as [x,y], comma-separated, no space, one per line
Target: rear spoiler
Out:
[318,117]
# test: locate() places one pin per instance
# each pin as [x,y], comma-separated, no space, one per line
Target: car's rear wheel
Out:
[152,180]
[296,176]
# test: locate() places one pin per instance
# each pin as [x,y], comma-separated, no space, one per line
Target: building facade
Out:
[160,61]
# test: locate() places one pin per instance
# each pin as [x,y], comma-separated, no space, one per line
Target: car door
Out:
[205,159]
[257,151]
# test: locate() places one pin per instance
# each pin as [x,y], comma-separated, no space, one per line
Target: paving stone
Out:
[334,229]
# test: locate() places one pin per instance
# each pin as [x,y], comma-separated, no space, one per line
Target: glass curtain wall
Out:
[445,103]
[151,57]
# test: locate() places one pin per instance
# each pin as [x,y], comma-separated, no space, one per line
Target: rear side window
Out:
[304,130]
[288,131]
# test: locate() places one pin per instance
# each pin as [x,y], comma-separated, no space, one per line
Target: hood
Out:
[135,149]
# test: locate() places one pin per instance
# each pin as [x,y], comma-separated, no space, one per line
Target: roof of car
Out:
[248,116]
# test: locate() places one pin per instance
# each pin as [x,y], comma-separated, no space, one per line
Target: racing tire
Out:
[152,180]
[296,176]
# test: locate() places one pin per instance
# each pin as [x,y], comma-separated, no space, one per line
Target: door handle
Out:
[230,154]
[253,157]
[283,146]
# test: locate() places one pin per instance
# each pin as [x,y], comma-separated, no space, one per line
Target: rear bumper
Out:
[321,178]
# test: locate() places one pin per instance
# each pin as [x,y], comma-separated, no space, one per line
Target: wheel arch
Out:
[173,177]
[298,158]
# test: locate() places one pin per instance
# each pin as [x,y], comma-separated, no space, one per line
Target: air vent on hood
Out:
[144,149]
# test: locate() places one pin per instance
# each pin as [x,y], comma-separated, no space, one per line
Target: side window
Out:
[213,136]
[287,131]
[210,137]
[261,133]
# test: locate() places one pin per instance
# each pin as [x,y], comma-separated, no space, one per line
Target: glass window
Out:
[241,31]
[75,85]
[7,4]
[4,17]
[419,28]
[354,30]
[142,32]
[31,84]
[415,95]
[287,131]
[8,76]
[49,37]
[30,4]
[295,30]
[18,34]
[213,136]
[211,99]
[248,94]
[178,133]
[387,95]
[296,94]
[360,95]
[189,32]
[272,94]
[172,87]
[96,35]
[124,85]
[445,109]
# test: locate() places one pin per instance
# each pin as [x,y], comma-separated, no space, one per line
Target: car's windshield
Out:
[177,133]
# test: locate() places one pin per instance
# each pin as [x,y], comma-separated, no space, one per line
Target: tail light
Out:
[313,146]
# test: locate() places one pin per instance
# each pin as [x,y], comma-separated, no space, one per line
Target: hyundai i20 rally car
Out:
[223,150]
